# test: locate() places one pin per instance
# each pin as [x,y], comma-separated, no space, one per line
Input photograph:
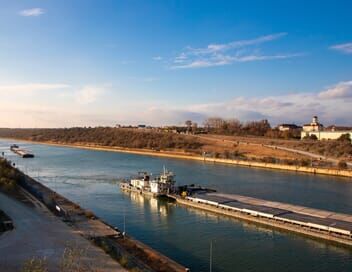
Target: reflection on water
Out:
[158,206]
[184,234]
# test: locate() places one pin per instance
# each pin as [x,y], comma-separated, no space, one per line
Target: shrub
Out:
[89,214]
[305,162]
[35,265]
[123,261]
[345,137]
[311,137]
[8,176]
[269,160]
[342,165]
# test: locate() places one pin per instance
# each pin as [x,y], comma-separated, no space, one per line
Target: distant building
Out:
[317,129]
[313,126]
[141,126]
[288,127]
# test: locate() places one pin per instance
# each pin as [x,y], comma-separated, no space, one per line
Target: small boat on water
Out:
[14,146]
[21,152]
[145,183]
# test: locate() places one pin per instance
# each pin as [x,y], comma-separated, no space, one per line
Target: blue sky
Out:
[77,63]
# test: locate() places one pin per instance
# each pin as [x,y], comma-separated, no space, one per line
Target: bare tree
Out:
[194,127]
[188,124]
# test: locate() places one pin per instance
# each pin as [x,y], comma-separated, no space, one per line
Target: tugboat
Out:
[144,183]
[14,146]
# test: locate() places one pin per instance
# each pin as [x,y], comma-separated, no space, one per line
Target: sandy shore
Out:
[188,156]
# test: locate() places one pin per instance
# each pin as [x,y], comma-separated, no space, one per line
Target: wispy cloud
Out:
[32,12]
[31,87]
[157,58]
[340,90]
[228,53]
[212,48]
[344,48]
[89,94]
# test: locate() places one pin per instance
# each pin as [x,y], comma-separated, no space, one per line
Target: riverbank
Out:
[189,156]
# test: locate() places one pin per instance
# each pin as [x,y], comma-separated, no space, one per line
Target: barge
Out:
[146,184]
[321,224]
[21,152]
[326,225]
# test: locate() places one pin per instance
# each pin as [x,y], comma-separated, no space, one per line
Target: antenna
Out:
[124,221]
[211,256]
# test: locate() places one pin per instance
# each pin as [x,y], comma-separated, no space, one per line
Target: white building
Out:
[289,127]
[317,129]
[313,126]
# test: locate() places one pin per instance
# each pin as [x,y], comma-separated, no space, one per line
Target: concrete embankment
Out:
[39,234]
[296,228]
[188,156]
[129,252]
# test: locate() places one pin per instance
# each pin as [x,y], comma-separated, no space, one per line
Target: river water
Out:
[184,234]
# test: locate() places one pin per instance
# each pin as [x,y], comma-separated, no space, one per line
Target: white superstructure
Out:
[147,184]
[163,183]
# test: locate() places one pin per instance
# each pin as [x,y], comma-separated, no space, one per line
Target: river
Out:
[90,178]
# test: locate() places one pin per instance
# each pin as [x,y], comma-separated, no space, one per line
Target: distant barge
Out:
[21,152]
[327,225]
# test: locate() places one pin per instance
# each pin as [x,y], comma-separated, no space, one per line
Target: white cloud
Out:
[89,94]
[340,90]
[225,54]
[157,58]
[294,107]
[31,87]
[49,116]
[212,48]
[330,105]
[32,12]
[220,60]
[344,48]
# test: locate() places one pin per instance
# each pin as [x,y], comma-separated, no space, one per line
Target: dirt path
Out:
[38,233]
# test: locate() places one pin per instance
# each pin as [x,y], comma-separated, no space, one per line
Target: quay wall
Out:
[267,222]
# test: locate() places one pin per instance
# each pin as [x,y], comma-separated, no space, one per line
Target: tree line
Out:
[107,136]
[219,125]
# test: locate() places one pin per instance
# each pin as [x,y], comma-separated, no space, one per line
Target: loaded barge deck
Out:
[326,225]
